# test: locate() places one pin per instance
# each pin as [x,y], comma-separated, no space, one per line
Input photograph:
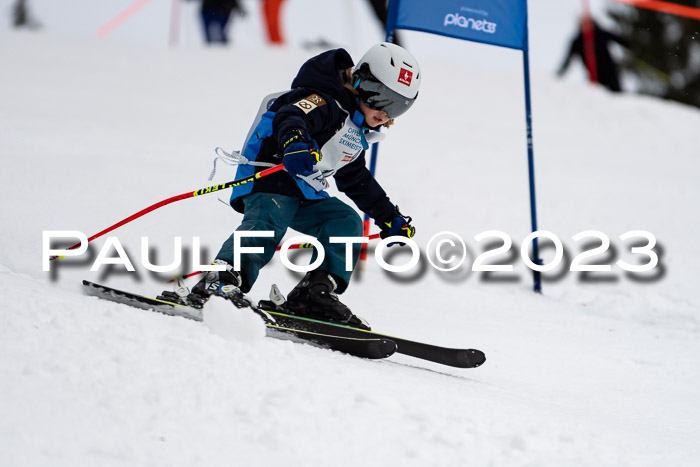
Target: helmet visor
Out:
[379,97]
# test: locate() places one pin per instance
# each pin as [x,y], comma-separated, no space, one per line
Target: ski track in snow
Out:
[590,373]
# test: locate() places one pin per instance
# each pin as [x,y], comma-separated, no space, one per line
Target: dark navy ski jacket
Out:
[320,106]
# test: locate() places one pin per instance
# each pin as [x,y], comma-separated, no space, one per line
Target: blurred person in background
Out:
[606,70]
[216,15]
[21,16]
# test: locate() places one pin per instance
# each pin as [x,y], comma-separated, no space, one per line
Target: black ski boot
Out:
[223,283]
[314,297]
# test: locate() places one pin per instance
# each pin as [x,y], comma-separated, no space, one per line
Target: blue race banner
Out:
[496,22]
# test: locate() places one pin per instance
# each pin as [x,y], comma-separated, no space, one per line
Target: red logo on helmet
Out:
[405,77]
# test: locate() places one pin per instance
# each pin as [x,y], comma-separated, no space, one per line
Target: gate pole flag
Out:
[496,22]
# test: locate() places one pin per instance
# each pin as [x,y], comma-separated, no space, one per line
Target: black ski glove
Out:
[300,154]
[397,224]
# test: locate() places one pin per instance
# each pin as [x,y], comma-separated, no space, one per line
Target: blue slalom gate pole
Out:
[536,275]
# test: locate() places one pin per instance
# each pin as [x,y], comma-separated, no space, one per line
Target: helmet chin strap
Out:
[358,118]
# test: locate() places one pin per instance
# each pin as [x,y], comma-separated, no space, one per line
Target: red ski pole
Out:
[189,194]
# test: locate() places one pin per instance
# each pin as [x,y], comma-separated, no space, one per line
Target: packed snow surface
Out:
[601,369]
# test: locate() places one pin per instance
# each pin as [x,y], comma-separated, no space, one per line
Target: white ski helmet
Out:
[387,78]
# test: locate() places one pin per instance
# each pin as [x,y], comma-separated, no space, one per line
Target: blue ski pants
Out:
[322,219]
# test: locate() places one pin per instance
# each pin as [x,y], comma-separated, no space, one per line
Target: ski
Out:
[459,358]
[360,346]
[354,341]
[141,301]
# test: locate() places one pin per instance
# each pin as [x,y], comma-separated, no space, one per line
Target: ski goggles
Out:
[377,96]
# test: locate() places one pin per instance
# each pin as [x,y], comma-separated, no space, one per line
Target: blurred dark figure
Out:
[380,8]
[271,14]
[216,15]
[606,70]
[21,17]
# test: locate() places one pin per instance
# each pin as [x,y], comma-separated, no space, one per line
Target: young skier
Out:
[318,129]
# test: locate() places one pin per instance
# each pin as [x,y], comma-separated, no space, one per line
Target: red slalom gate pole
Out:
[121,17]
[189,194]
[589,56]
[296,246]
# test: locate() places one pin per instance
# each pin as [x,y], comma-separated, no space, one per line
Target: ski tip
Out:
[472,358]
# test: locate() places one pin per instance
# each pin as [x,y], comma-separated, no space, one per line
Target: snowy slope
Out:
[593,372]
